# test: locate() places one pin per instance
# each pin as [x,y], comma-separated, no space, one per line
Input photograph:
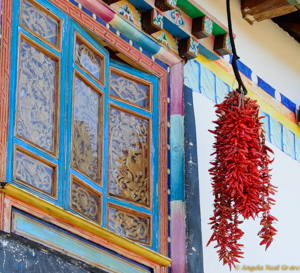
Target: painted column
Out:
[177,175]
[194,258]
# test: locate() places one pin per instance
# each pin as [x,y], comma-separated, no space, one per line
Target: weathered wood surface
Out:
[258,10]
[21,255]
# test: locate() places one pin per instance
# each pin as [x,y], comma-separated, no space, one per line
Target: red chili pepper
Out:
[240,175]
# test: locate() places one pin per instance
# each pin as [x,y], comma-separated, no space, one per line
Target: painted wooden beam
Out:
[202,27]
[54,238]
[222,44]
[128,30]
[188,48]
[176,92]
[152,21]
[165,5]
[84,224]
[259,10]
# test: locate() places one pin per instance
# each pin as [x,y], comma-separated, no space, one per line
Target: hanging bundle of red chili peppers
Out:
[240,173]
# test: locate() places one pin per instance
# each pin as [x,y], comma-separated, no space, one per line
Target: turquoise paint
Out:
[192,75]
[38,41]
[135,35]
[177,157]
[88,77]
[67,68]
[49,235]
[207,53]
[130,107]
[297,148]
[276,133]
[124,203]
[294,2]
[266,123]
[12,93]
[12,140]
[74,27]
[288,140]
[208,83]
[222,90]
[154,116]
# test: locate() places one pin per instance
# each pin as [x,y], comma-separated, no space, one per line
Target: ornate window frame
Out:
[123,47]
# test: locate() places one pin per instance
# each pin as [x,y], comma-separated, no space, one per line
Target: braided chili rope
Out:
[240,175]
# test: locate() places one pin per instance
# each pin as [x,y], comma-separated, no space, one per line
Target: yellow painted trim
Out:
[85,224]
[230,80]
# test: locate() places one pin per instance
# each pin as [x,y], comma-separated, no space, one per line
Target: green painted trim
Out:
[194,12]
[217,30]
[189,9]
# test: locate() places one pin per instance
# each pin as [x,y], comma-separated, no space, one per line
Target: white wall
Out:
[285,249]
[264,47]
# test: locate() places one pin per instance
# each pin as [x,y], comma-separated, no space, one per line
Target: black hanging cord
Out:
[235,56]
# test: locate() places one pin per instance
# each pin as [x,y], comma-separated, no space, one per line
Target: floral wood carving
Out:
[129,90]
[36,121]
[39,22]
[86,130]
[88,59]
[129,225]
[85,202]
[128,157]
[35,173]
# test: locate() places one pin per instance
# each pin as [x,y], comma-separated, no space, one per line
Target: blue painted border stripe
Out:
[196,75]
[264,85]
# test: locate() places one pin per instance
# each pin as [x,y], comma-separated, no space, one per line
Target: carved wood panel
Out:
[86,202]
[36,97]
[34,173]
[129,170]
[130,225]
[89,60]
[86,145]
[40,23]
[129,89]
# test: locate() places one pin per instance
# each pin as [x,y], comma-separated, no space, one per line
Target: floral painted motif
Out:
[172,3]
[126,12]
[228,43]
[158,19]
[163,38]
[208,26]
[177,17]
[194,47]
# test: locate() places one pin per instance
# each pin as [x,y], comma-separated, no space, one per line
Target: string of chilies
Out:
[240,175]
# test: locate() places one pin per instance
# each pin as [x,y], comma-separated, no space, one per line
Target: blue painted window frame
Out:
[67,68]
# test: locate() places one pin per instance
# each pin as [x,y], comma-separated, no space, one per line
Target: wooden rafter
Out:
[258,10]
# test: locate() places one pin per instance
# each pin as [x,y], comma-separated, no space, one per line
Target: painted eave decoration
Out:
[181,26]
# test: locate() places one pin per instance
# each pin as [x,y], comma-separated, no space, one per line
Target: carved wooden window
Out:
[84,127]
